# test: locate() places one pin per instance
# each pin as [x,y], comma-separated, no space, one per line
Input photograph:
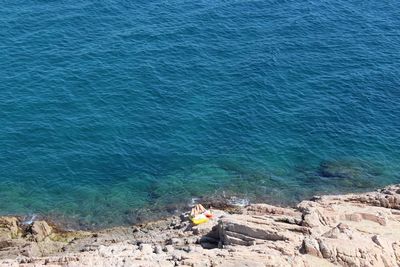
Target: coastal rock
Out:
[388,197]
[30,250]
[345,230]
[40,230]
[311,247]
[250,230]
[9,227]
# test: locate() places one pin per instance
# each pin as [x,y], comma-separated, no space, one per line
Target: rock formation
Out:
[342,230]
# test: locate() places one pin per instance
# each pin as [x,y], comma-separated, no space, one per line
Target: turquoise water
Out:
[117,111]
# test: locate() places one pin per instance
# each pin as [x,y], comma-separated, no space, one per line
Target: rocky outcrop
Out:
[32,240]
[388,197]
[342,230]
[346,230]
[9,227]
[39,230]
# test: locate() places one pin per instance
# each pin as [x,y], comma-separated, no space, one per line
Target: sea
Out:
[116,112]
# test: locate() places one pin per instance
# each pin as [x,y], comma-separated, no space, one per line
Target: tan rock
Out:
[30,250]
[9,227]
[311,247]
[345,230]
[40,230]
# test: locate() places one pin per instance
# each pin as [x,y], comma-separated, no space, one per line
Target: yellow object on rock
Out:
[199,219]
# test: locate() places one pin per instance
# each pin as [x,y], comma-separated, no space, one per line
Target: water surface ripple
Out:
[115,111]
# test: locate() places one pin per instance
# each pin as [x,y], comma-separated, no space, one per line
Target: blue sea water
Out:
[116,111]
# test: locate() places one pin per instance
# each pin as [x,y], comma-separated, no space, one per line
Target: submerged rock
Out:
[347,169]
[339,169]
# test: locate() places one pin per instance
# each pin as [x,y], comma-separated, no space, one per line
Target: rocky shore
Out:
[344,230]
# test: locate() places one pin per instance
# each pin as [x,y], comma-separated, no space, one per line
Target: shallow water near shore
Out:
[120,111]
